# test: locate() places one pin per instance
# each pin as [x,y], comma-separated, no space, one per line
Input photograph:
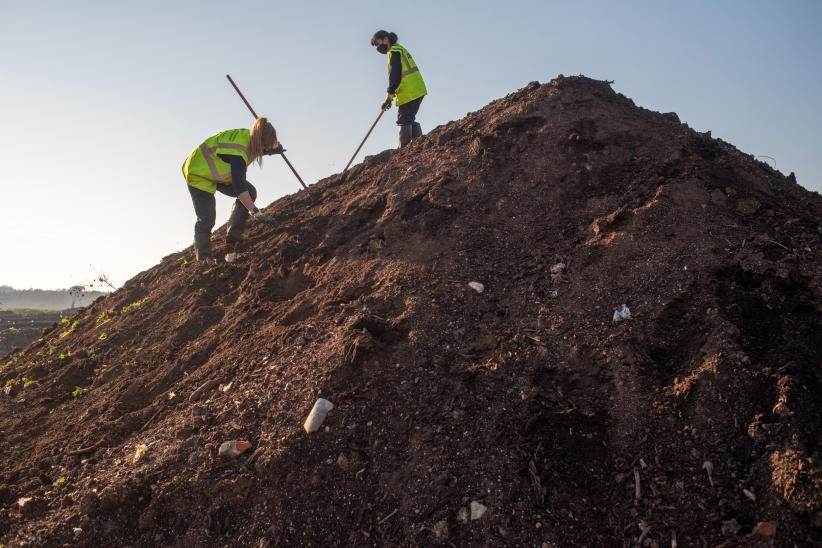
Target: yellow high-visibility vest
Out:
[412,86]
[203,169]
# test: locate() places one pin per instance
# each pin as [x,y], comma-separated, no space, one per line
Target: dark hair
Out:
[380,34]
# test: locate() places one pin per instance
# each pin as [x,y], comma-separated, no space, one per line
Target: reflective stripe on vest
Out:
[202,169]
[208,152]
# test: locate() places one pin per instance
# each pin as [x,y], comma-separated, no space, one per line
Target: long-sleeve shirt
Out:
[396,72]
[238,172]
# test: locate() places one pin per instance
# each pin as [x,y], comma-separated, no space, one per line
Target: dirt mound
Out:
[522,415]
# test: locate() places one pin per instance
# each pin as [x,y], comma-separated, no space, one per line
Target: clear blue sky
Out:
[101,101]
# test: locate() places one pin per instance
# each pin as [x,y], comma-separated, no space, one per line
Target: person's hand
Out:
[261,217]
[276,150]
[387,103]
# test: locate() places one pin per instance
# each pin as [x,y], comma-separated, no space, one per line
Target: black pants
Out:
[407,113]
[205,206]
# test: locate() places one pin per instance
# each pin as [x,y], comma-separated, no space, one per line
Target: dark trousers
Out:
[407,113]
[205,206]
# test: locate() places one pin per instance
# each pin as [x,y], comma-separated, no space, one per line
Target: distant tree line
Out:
[46,299]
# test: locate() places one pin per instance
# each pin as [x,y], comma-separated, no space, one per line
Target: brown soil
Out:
[565,200]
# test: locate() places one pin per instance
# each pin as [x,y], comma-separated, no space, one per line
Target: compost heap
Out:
[519,411]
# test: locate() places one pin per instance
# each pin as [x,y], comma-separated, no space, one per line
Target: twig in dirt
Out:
[780,245]
[383,520]
[637,488]
[154,416]
[86,450]
[644,535]
[208,385]
[673,538]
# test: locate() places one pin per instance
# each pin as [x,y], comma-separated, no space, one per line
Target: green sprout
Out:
[68,331]
[134,306]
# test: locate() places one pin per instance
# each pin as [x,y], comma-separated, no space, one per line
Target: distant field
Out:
[21,326]
[30,311]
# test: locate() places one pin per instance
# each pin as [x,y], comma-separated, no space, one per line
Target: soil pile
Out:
[518,415]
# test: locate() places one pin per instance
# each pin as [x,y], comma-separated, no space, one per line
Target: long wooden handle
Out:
[240,93]
[364,140]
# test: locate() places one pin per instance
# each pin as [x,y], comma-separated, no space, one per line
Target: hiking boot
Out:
[202,246]
[406,134]
[236,223]
[416,131]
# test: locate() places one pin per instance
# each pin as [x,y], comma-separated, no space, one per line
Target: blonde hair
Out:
[261,131]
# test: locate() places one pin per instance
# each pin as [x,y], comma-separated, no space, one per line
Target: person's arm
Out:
[238,180]
[396,73]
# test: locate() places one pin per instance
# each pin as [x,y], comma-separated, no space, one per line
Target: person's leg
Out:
[239,214]
[409,128]
[205,207]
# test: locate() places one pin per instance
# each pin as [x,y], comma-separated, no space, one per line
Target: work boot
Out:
[406,134]
[202,246]
[236,223]
[417,130]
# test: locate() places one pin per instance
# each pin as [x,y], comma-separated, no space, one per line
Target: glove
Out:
[388,100]
[276,150]
[261,217]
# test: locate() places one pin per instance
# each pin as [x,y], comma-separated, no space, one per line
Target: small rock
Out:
[764,530]
[476,286]
[477,510]
[317,415]
[440,530]
[22,502]
[557,271]
[234,448]
[748,494]
[462,515]
[139,452]
[730,527]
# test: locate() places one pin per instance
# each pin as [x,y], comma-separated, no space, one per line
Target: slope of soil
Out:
[695,420]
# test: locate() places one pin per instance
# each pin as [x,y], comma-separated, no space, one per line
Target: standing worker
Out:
[220,163]
[405,84]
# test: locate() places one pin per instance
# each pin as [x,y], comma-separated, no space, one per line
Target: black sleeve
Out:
[238,170]
[396,73]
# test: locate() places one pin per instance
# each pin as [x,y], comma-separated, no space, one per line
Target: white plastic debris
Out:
[317,415]
[622,313]
[476,286]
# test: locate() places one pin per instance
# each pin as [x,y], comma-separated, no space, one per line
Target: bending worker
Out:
[219,164]
[405,84]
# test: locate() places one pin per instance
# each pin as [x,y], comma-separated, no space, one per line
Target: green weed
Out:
[68,331]
[78,391]
[134,306]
